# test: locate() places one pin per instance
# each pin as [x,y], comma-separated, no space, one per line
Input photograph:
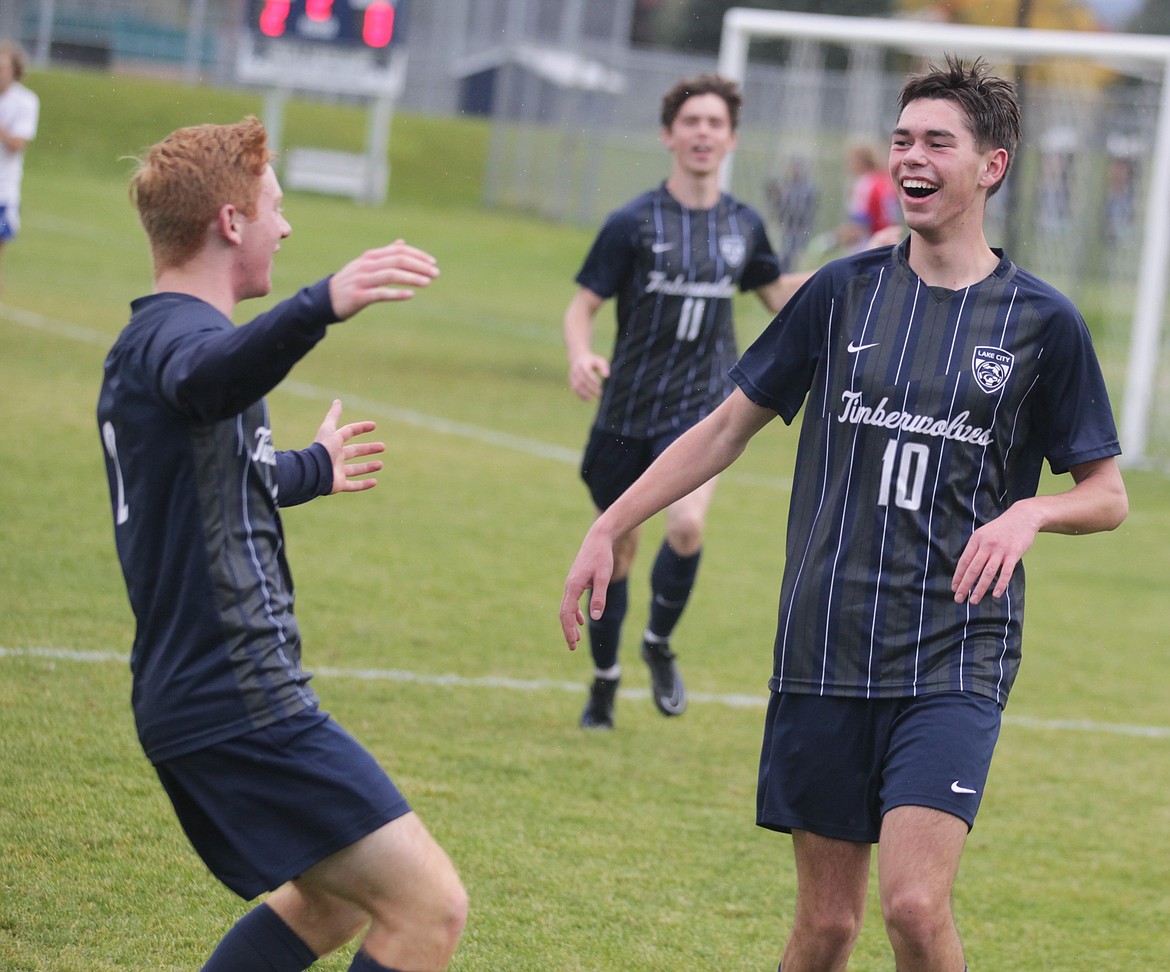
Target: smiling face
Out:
[941,174]
[260,240]
[701,135]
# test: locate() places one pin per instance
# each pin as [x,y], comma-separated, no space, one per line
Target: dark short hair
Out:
[673,100]
[988,101]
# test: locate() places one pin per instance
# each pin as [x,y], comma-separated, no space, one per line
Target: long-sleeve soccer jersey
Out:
[674,272]
[929,412]
[196,485]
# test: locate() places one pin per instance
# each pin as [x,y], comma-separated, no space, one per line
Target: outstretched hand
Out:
[386,273]
[342,452]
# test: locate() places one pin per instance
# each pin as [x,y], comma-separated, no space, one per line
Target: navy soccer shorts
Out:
[611,463]
[836,766]
[263,808]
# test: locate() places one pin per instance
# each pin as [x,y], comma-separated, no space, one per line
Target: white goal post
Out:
[1129,53]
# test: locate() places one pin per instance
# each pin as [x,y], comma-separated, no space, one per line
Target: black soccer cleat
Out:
[666,685]
[598,712]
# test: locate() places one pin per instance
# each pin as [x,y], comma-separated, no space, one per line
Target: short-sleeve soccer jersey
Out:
[674,272]
[929,412]
[19,114]
[196,485]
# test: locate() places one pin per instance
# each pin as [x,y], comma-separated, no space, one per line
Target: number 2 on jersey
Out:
[122,510]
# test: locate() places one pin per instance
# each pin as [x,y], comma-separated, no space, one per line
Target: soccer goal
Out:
[1087,205]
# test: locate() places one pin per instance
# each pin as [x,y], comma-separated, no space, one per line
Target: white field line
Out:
[732,701]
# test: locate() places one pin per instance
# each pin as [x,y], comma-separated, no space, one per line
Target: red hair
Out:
[182,182]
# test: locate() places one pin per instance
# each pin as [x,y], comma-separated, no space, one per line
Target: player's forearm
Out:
[1098,502]
[12,143]
[701,453]
[578,334]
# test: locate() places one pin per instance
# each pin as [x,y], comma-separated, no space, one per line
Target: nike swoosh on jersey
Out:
[854,348]
[661,247]
[955,788]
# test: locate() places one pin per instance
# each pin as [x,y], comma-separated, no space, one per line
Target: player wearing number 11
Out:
[936,377]
[674,258]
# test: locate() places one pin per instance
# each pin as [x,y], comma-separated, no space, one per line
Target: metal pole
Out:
[44,34]
[1150,302]
[193,55]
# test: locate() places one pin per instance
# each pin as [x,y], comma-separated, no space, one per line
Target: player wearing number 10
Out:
[936,377]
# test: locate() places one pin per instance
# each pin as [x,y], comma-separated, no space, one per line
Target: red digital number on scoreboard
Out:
[274,18]
[377,18]
[378,23]
[319,10]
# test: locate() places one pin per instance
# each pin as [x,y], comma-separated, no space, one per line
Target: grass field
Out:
[429,611]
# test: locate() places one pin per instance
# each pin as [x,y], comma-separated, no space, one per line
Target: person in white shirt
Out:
[19,113]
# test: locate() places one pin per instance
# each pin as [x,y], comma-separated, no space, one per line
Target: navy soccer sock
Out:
[363,963]
[260,942]
[671,582]
[605,635]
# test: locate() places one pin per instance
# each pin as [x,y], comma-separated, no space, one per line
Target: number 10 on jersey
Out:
[903,474]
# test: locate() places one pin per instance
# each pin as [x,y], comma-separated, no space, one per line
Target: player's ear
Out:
[228,223]
[994,168]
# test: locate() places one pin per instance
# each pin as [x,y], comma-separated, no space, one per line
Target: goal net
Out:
[1087,204]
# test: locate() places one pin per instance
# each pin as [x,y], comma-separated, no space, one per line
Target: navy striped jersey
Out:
[929,412]
[196,485]
[674,272]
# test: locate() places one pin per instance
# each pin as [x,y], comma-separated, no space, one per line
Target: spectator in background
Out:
[19,113]
[793,203]
[1120,201]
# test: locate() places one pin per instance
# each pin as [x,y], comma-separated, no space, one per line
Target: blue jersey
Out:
[929,412]
[674,272]
[196,485]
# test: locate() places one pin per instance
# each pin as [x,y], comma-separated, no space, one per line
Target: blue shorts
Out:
[9,222]
[836,766]
[263,808]
[612,463]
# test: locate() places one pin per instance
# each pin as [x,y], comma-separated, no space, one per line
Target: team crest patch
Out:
[732,249]
[991,367]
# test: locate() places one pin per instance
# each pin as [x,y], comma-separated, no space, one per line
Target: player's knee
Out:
[445,908]
[685,535]
[834,931]
[915,916]
[444,921]
[454,916]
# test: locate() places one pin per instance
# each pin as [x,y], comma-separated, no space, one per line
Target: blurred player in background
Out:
[19,114]
[872,218]
[272,793]
[793,201]
[673,258]
[936,377]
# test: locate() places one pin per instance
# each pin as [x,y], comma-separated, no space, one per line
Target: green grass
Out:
[626,852]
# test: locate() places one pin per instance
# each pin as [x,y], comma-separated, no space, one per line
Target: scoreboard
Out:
[363,23]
